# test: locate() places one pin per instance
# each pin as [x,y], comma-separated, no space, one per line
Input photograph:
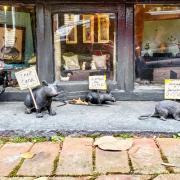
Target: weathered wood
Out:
[129,50]
[90,1]
[79,8]
[44,43]
[121,29]
[40,38]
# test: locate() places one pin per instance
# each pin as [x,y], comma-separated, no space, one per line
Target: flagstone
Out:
[16,178]
[70,178]
[168,177]
[124,177]
[76,157]
[171,150]
[145,157]
[42,163]
[10,156]
[111,161]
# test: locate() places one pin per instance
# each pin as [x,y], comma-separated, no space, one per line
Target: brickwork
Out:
[79,160]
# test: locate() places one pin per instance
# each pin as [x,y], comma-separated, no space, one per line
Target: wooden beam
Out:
[129,50]
[121,30]
[45,61]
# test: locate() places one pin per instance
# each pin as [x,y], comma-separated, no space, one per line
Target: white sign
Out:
[172,89]
[97,82]
[27,78]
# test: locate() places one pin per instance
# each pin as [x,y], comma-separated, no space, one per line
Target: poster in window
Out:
[71,28]
[103,28]
[12,43]
[88,28]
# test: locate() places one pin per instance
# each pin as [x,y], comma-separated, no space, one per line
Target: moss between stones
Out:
[124,135]
[55,165]
[13,173]
[19,139]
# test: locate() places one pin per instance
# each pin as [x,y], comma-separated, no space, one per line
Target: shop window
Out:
[17,45]
[157,43]
[84,44]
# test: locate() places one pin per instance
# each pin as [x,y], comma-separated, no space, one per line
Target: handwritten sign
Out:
[172,89]
[97,82]
[27,78]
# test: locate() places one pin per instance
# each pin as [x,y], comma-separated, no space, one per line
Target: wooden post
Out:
[33,98]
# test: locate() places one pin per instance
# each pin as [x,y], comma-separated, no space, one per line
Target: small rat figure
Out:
[43,97]
[164,109]
[99,98]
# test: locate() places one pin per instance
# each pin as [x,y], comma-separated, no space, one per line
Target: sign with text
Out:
[172,89]
[97,82]
[27,78]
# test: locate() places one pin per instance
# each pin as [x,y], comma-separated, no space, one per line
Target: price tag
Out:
[172,89]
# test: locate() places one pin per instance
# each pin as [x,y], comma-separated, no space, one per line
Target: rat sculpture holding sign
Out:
[164,109]
[43,97]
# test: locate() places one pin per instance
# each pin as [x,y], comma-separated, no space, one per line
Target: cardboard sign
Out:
[97,82]
[172,89]
[27,78]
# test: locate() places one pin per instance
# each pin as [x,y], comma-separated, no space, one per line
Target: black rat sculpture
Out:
[99,98]
[43,97]
[164,109]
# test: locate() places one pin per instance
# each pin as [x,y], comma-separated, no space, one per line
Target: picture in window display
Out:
[157,43]
[93,50]
[17,49]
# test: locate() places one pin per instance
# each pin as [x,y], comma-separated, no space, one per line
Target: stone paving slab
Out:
[145,157]
[10,156]
[168,177]
[16,178]
[70,178]
[111,161]
[171,149]
[124,177]
[42,163]
[76,157]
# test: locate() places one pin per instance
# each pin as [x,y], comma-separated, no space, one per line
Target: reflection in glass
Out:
[17,45]
[157,43]
[84,43]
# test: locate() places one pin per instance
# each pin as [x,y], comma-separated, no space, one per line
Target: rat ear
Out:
[44,83]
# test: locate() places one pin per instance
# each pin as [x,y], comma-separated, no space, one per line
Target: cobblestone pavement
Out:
[77,159]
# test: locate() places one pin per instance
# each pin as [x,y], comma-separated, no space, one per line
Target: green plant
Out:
[39,139]
[176,136]
[57,138]
[124,135]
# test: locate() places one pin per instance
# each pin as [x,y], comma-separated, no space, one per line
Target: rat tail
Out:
[146,116]
[63,103]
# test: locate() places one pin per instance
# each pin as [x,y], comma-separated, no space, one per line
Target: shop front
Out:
[136,44]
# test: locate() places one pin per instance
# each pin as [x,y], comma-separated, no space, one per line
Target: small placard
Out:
[172,89]
[27,78]
[97,82]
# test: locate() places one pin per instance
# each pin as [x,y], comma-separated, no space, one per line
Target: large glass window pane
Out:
[17,45]
[157,43]
[84,44]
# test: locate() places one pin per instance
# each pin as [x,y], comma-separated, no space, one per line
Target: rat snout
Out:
[113,99]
